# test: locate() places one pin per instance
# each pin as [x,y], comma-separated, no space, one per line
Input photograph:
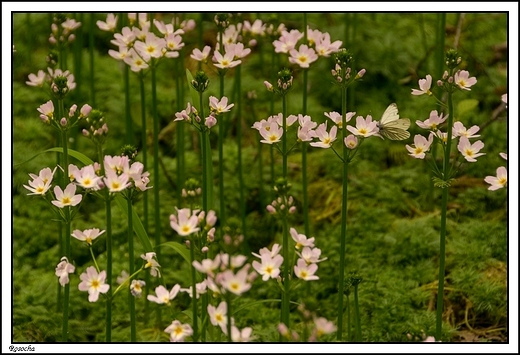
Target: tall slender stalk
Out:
[285,245]
[194,292]
[128,116]
[108,216]
[67,228]
[91,60]
[444,209]
[343,215]
[358,319]
[221,130]
[144,150]
[304,144]
[239,147]
[178,70]
[157,206]
[131,267]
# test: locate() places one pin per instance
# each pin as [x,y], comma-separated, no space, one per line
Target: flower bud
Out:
[63,121]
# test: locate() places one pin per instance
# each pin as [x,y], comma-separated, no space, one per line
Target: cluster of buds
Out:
[97,128]
[280,205]
[342,73]
[284,203]
[283,84]
[191,114]
[352,280]
[62,30]
[222,21]
[47,115]
[192,189]
[233,235]
[200,81]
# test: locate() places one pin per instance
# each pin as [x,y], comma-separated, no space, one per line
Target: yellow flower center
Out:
[95,283]
[469,152]
[273,137]
[66,201]
[185,229]
[87,182]
[39,189]
[225,63]
[234,286]
[303,274]
[326,141]
[269,270]
[302,58]
[115,185]
[502,181]
[219,318]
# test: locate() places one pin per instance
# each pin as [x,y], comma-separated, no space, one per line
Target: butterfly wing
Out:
[396,130]
[391,114]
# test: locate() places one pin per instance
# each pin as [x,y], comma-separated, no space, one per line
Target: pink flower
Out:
[88,235]
[151,263]
[116,183]
[269,267]
[94,283]
[67,197]
[459,130]
[303,57]
[351,141]
[364,127]
[151,47]
[337,119]
[201,56]
[219,106]
[46,111]
[225,61]
[237,49]
[63,269]
[433,122]
[109,25]
[468,150]
[163,296]
[311,256]
[463,80]
[422,145]
[304,271]
[424,85]
[124,39]
[178,331]
[301,240]
[36,80]
[218,316]
[323,46]
[499,181]
[235,283]
[87,178]
[287,41]
[326,138]
[186,223]
[271,133]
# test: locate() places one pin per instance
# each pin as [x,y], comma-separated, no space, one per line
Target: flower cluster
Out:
[60,82]
[138,45]
[319,45]
[422,145]
[216,107]
[62,33]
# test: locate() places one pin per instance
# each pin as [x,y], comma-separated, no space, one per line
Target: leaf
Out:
[466,106]
[75,154]
[138,226]
[179,248]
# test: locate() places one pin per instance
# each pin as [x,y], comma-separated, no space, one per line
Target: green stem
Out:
[285,245]
[180,129]
[94,259]
[239,146]
[108,209]
[349,335]
[128,116]
[444,209]
[157,213]
[67,228]
[221,130]
[194,292]
[343,215]
[228,325]
[91,60]
[304,159]
[358,320]
[144,147]
[131,267]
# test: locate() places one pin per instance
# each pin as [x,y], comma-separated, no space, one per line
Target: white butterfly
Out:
[393,127]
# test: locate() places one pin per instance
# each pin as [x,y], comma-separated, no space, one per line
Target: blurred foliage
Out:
[393,210]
